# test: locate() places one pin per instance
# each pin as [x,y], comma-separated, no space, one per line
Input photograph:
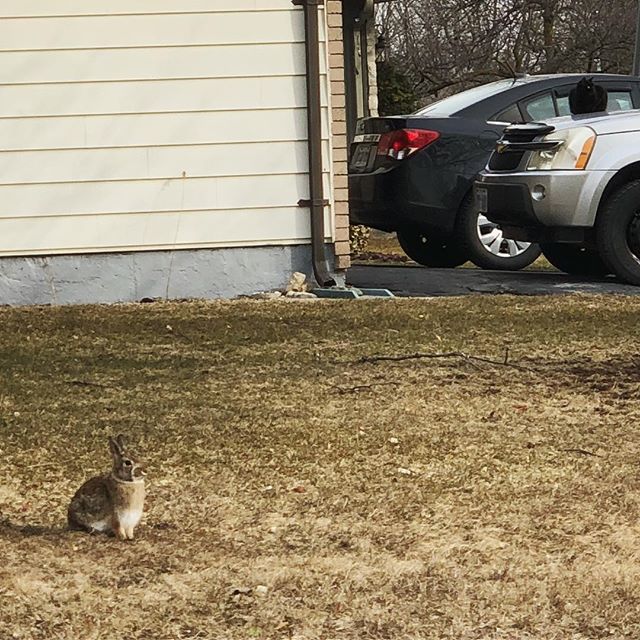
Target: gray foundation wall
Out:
[168,275]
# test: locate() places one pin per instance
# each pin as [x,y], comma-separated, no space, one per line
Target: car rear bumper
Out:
[383,201]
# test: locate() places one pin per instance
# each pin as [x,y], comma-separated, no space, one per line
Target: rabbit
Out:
[587,97]
[111,503]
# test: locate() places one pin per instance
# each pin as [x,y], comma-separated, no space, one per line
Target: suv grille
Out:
[510,160]
[505,161]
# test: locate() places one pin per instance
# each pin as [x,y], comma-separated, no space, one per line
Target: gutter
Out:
[316,202]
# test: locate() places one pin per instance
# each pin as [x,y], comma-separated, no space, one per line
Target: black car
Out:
[414,174]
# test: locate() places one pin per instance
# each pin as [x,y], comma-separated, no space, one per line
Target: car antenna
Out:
[515,75]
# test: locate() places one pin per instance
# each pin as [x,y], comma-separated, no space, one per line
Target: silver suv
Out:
[573,185]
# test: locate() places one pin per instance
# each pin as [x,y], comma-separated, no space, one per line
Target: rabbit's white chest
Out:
[129,518]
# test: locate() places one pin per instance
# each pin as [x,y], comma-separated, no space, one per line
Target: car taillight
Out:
[400,144]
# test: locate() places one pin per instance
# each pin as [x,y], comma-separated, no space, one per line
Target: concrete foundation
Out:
[168,275]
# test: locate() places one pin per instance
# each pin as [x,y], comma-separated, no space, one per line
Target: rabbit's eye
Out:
[127,463]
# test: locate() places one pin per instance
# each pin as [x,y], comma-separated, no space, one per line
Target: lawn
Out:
[299,488]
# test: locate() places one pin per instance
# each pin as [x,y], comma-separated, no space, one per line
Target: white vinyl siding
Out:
[153,124]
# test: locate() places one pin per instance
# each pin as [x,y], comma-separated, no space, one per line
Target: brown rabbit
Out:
[111,503]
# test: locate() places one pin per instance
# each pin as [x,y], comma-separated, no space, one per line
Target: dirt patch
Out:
[619,376]
[379,256]
[382,248]
[300,488]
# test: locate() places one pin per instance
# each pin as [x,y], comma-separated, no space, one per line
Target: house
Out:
[176,148]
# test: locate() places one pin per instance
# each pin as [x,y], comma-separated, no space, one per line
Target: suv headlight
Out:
[573,152]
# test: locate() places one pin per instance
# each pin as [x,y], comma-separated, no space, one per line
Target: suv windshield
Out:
[460,101]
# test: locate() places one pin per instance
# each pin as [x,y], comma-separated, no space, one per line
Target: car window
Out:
[540,107]
[619,101]
[510,114]
[563,106]
[465,99]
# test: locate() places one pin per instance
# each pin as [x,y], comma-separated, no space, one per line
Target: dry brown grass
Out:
[382,247]
[437,498]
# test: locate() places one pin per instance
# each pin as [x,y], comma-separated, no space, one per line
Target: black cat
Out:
[587,97]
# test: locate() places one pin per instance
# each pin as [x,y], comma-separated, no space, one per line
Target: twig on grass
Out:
[584,452]
[86,383]
[361,387]
[471,359]
[44,465]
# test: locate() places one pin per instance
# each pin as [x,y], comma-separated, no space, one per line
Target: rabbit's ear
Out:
[120,441]
[115,448]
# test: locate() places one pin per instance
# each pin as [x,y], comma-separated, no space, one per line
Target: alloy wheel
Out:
[494,242]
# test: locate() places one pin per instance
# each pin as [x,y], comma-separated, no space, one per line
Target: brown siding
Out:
[338,133]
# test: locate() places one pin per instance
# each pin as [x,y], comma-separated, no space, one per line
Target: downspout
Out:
[316,202]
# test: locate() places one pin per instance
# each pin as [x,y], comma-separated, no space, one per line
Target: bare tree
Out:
[448,45]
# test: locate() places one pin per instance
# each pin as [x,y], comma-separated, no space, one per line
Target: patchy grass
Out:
[384,248]
[297,492]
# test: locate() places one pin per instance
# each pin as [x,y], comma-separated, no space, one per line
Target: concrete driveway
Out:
[420,281]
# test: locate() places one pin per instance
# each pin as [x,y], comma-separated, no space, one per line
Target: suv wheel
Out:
[430,251]
[485,244]
[574,259]
[618,233]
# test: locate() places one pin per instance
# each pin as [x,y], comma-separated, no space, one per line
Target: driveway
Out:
[420,281]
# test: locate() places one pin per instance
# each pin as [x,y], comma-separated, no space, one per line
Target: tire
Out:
[430,251]
[574,259]
[618,233]
[485,245]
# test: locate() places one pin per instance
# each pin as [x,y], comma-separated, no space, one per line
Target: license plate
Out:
[482,200]
[361,156]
